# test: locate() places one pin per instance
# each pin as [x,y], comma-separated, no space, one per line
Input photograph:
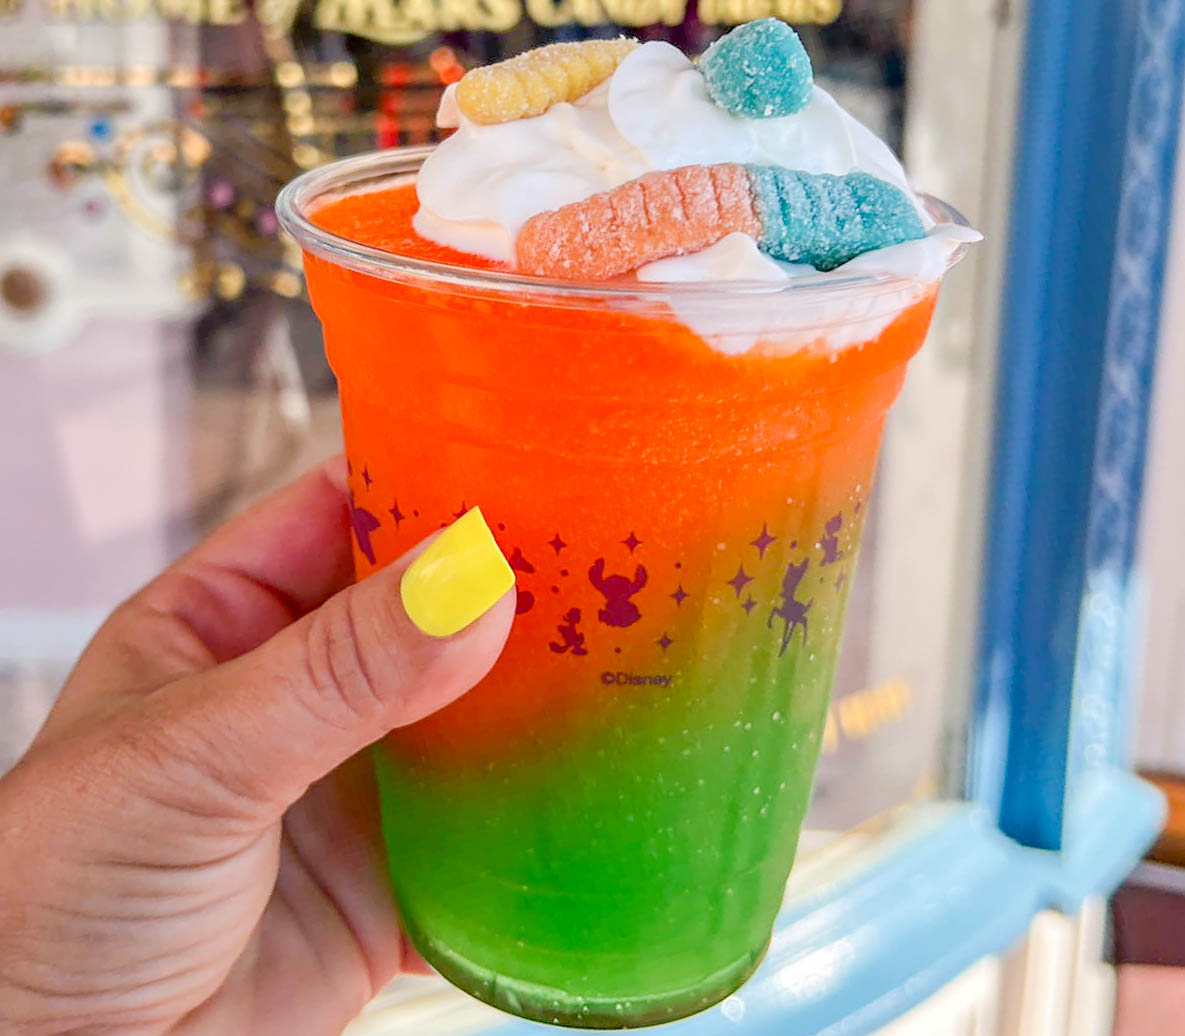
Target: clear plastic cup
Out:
[599,834]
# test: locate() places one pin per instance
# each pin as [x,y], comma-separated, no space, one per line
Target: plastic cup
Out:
[599,834]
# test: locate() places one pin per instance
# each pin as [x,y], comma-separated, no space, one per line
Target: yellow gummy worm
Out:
[530,83]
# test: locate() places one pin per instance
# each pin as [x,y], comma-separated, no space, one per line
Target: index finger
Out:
[278,560]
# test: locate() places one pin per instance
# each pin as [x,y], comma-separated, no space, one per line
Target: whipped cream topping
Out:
[480,185]
[832,321]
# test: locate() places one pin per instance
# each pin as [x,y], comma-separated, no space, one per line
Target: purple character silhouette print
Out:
[571,639]
[617,590]
[830,540]
[791,611]
[364,523]
[518,562]
[526,600]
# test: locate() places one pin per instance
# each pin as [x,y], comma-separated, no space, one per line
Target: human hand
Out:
[173,856]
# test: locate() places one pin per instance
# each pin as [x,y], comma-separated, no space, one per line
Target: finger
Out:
[413,963]
[265,568]
[265,726]
[334,831]
[335,835]
[272,564]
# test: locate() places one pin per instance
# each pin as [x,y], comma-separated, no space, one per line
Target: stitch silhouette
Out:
[571,639]
[792,611]
[617,590]
[830,541]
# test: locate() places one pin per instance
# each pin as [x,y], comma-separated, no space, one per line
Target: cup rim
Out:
[373,169]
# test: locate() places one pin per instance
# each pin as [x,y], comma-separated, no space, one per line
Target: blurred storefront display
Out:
[160,366]
[146,143]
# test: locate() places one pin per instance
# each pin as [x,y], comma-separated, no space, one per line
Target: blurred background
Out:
[1017,631]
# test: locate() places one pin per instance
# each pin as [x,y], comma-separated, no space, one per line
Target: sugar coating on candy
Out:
[760,70]
[820,219]
[827,220]
[530,83]
[657,215]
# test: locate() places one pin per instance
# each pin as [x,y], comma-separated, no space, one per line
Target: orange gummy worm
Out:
[659,214]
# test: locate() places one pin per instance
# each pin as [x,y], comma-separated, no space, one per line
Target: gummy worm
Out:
[820,219]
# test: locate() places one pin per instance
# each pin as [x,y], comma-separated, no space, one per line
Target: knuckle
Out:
[177,764]
[152,616]
[347,663]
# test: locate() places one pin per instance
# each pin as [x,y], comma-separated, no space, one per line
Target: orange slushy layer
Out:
[600,832]
[565,423]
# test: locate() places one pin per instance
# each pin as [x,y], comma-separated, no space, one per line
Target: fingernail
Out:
[457,579]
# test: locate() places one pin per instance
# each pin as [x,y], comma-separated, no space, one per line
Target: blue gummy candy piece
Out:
[827,220]
[759,70]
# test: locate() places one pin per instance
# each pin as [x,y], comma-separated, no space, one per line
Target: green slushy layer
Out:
[626,869]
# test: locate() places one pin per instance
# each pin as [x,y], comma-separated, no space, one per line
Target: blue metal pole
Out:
[1099,113]
[1073,118]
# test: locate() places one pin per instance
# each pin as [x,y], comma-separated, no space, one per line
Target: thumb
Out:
[381,654]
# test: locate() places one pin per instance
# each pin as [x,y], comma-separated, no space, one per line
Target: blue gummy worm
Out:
[827,220]
[760,70]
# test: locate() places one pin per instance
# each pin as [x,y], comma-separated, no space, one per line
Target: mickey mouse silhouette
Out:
[617,590]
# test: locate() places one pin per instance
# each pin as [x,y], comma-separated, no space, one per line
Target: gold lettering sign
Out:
[407,21]
[598,12]
[196,12]
[859,715]
[733,12]
[863,712]
[277,16]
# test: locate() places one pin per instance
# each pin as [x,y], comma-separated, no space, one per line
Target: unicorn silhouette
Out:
[791,611]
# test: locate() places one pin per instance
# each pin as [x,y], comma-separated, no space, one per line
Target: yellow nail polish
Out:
[457,579]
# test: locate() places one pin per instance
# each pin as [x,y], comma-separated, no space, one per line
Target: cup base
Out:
[554,1006]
